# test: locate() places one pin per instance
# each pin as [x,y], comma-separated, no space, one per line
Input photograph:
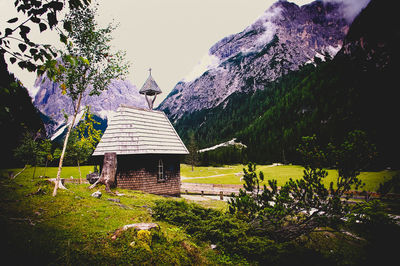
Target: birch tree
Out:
[88,64]
[83,140]
[28,151]
[45,152]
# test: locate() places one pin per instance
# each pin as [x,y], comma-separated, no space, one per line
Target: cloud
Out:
[351,8]
[208,61]
[269,27]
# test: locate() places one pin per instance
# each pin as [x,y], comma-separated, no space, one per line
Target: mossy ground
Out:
[75,228]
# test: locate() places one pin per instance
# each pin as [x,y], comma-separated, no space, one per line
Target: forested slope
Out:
[17,115]
[355,90]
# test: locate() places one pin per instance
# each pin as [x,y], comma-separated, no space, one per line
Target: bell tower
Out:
[150,89]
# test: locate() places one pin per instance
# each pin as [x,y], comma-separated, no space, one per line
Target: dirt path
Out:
[236,174]
[184,177]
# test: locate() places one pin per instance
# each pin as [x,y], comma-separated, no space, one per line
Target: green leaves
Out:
[84,60]
[68,26]
[55,5]
[35,19]
[52,19]
[83,139]
[22,47]
[300,206]
[13,20]
[42,27]
[24,30]
[70,59]
[63,38]
[42,13]
[29,150]
[313,156]
[89,61]
[8,32]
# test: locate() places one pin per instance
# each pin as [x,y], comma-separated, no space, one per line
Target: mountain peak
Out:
[282,39]
[50,101]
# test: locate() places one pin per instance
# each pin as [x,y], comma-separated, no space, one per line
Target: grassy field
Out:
[75,228]
[231,174]
[67,171]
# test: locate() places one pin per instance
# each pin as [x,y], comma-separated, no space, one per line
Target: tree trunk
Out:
[45,168]
[60,183]
[34,172]
[80,174]
[65,145]
[108,172]
[19,172]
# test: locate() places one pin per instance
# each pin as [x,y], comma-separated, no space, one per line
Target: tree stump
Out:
[107,176]
[60,183]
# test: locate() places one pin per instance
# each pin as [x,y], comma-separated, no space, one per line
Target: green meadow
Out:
[75,228]
[227,174]
[67,171]
[231,174]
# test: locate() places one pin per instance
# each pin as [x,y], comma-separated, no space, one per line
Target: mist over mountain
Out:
[355,90]
[284,38]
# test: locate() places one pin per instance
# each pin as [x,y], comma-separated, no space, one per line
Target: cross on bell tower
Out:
[150,89]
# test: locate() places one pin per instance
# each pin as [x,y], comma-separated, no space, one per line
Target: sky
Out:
[169,36]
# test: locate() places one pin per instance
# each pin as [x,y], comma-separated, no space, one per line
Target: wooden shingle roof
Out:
[139,131]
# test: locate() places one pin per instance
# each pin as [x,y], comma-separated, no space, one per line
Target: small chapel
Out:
[147,147]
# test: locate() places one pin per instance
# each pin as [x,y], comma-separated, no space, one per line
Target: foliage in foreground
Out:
[272,225]
[239,243]
[370,242]
[301,206]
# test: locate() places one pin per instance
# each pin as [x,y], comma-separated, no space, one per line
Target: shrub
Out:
[301,206]
[390,186]
[234,238]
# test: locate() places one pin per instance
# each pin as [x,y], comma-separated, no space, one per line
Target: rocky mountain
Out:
[50,102]
[284,38]
[355,90]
